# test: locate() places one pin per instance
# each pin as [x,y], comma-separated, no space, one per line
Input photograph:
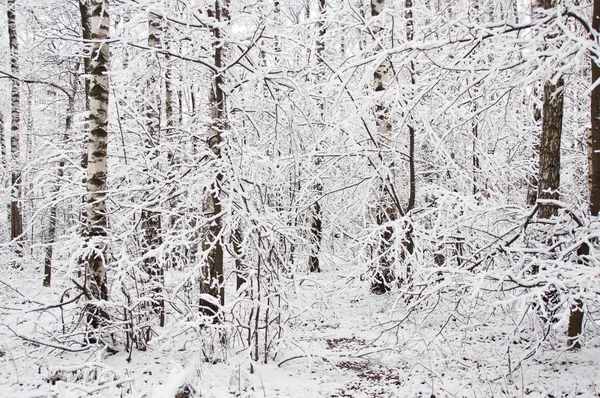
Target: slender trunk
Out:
[97,222]
[410,34]
[532,185]
[594,136]
[576,315]
[2,144]
[56,188]
[316,225]
[240,266]
[212,283]
[151,219]
[16,220]
[86,34]
[384,275]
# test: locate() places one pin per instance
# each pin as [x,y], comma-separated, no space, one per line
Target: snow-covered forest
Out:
[300,198]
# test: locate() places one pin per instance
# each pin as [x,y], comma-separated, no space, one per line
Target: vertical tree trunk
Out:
[532,184]
[410,34]
[86,34]
[576,316]
[96,160]
[16,220]
[594,135]
[549,169]
[316,225]
[212,283]
[56,188]
[384,275]
[150,219]
[552,115]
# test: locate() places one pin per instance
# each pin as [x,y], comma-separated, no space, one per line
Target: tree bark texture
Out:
[86,35]
[97,151]
[212,281]
[552,115]
[16,218]
[549,169]
[384,274]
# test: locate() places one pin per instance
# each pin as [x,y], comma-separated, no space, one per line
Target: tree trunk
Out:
[212,275]
[316,225]
[576,316]
[16,220]
[384,274]
[552,115]
[594,138]
[549,169]
[150,219]
[86,35]
[96,161]
[2,142]
[56,188]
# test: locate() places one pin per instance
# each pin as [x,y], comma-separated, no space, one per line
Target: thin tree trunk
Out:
[86,34]
[97,221]
[16,220]
[316,225]
[56,188]
[594,135]
[212,282]
[410,34]
[2,144]
[384,275]
[150,219]
[532,185]
[576,315]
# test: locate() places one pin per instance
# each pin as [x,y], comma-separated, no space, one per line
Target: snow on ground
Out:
[336,347]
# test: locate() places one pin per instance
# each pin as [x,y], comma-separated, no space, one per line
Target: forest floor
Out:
[342,342]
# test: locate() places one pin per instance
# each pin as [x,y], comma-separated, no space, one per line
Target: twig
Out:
[57,305]
[59,347]
[11,288]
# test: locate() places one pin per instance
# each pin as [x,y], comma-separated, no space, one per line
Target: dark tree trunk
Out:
[576,316]
[212,283]
[316,226]
[549,170]
[594,138]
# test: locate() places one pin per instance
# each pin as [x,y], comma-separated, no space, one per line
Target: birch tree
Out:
[96,215]
[386,213]
[16,218]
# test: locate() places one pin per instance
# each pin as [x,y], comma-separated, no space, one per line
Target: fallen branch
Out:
[51,345]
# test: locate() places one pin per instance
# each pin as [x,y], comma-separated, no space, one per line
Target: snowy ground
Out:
[336,347]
